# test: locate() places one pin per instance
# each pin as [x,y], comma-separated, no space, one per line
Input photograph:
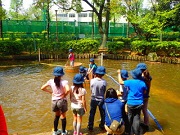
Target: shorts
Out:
[78,111]
[59,105]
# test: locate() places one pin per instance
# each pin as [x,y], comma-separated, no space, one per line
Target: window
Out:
[90,14]
[82,15]
[62,15]
[71,15]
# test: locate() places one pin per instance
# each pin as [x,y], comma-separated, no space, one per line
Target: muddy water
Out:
[28,109]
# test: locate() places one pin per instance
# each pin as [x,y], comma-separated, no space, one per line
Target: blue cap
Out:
[91,60]
[70,50]
[124,73]
[78,79]
[81,69]
[136,73]
[100,70]
[141,66]
[58,71]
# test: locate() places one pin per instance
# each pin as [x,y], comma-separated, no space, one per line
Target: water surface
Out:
[28,109]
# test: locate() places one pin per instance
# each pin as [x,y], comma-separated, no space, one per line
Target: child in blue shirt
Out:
[137,88]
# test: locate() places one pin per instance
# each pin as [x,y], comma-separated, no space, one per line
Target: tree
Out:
[45,5]
[2,16]
[16,7]
[169,12]
[100,7]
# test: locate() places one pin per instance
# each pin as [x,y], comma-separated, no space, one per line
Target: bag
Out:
[115,125]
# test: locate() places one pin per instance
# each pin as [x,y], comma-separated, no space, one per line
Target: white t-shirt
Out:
[58,93]
[76,99]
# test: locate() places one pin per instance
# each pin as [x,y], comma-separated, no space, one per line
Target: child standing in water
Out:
[59,91]
[92,68]
[71,57]
[78,102]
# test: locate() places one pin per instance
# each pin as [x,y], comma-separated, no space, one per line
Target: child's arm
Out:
[45,88]
[119,77]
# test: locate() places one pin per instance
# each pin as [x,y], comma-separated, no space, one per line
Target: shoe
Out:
[101,127]
[74,133]
[90,128]
[64,133]
[57,132]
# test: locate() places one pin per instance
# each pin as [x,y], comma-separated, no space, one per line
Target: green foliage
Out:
[83,45]
[11,47]
[168,48]
[114,47]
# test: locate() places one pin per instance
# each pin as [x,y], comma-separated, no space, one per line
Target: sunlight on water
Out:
[28,109]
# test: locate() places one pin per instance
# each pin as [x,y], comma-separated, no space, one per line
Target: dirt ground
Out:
[97,131]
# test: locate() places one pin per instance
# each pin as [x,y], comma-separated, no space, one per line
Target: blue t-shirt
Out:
[136,91]
[94,66]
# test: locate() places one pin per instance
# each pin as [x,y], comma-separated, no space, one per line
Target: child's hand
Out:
[119,71]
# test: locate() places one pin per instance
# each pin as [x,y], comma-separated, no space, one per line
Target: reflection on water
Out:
[28,109]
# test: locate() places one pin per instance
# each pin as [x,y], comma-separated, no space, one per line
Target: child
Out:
[78,102]
[71,57]
[59,91]
[92,68]
[98,88]
[113,111]
[122,93]
[83,71]
[137,88]
[147,79]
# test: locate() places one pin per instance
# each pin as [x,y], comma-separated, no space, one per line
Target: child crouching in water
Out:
[78,102]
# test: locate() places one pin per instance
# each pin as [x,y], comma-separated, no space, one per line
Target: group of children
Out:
[131,94]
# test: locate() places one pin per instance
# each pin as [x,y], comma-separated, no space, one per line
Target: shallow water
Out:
[28,109]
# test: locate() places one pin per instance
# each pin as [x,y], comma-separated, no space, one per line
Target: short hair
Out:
[111,93]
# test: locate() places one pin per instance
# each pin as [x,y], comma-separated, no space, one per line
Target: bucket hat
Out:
[91,60]
[100,70]
[81,69]
[58,71]
[78,79]
[124,73]
[70,50]
[141,66]
[136,73]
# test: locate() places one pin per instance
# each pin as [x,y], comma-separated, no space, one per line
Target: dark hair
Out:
[57,80]
[147,78]
[111,93]
[76,87]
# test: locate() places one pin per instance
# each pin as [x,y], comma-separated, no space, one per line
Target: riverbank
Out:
[123,56]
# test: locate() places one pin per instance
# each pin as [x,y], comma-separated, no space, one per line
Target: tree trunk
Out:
[1,29]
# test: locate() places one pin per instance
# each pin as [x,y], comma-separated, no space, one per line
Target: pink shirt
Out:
[71,57]
[58,93]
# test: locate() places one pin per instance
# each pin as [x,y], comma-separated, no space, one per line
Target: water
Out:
[28,109]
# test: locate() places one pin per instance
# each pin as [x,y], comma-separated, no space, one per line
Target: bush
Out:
[114,47]
[11,47]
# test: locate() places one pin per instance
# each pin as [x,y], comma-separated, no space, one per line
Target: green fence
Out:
[77,28]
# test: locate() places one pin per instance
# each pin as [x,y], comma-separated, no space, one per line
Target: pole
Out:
[101,58]
[155,120]
[56,26]
[39,55]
